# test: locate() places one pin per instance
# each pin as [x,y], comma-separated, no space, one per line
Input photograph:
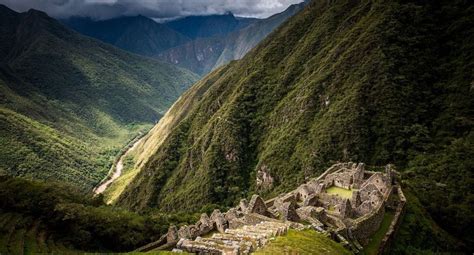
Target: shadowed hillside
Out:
[137,34]
[38,217]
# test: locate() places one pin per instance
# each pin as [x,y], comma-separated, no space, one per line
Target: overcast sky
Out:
[159,9]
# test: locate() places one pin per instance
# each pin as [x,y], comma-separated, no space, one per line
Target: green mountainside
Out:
[68,103]
[203,55]
[365,81]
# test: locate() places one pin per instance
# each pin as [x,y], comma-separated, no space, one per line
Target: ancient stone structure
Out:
[346,202]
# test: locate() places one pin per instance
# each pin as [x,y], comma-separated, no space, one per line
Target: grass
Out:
[303,242]
[372,247]
[344,193]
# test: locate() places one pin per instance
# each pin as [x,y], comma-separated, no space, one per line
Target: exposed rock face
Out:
[264,179]
[219,220]
[257,205]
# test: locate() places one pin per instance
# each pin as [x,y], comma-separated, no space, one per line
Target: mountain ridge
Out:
[137,34]
[340,81]
[206,54]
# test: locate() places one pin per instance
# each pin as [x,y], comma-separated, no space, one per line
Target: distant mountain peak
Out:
[34,12]
[4,10]
[229,13]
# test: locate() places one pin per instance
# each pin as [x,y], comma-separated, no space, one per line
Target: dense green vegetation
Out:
[303,242]
[36,217]
[69,103]
[419,233]
[372,81]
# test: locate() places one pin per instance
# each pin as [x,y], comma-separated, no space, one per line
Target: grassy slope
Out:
[65,113]
[303,242]
[373,81]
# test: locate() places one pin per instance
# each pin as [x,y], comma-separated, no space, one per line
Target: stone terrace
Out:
[242,240]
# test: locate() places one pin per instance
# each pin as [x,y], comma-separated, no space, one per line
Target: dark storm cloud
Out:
[159,9]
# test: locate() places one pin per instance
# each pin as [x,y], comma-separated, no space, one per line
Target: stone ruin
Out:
[351,220]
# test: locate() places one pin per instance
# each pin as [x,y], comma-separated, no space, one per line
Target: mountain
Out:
[137,34]
[205,54]
[364,81]
[207,26]
[68,103]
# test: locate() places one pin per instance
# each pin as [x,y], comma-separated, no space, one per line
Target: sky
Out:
[157,9]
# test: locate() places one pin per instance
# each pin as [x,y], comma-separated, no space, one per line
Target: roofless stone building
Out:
[346,202]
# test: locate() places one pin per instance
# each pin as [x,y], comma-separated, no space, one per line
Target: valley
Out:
[117,167]
[65,114]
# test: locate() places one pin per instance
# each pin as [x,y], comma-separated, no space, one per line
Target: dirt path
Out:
[117,171]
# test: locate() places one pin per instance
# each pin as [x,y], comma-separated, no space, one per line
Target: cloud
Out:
[158,9]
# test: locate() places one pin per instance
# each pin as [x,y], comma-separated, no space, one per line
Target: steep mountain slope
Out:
[205,54]
[137,34]
[68,103]
[371,81]
[207,26]
[241,42]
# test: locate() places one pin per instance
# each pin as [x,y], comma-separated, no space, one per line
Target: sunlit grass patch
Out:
[303,242]
[344,193]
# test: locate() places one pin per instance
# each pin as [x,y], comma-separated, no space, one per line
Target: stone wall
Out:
[366,226]
[391,232]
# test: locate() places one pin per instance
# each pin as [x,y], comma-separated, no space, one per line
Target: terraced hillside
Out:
[20,235]
[38,217]
[68,103]
[374,81]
